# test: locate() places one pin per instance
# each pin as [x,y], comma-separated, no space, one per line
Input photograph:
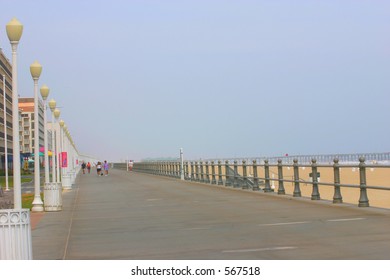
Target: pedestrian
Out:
[105,166]
[83,167]
[99,168]
[89,167]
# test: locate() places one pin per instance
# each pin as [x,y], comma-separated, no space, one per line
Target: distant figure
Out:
[130,165]
[99,168]
[89,167]
[83,167]
[105,166]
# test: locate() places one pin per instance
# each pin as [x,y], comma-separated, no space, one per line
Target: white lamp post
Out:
[5,137]
[65,178]
[52,191]
[57,114]
[36,70]
[14,32]
[52,106]
[45,93]
[15,228]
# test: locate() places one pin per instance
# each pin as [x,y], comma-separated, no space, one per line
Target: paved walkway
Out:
[138,216]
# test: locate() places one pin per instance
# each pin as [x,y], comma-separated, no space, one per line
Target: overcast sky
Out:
[138,79]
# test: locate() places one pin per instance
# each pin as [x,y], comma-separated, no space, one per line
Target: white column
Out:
[36,69]
[58,151]
[15,131]
[53,148]
[47,172]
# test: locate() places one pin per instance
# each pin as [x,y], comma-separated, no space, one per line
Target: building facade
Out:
[5,108]
[26,124]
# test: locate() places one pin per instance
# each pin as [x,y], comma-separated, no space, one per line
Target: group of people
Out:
[101,168]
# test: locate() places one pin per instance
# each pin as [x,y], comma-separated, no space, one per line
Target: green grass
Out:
[27,200]
[11,181]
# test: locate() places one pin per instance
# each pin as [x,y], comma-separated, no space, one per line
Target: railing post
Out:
[337,198]
[235,183]
[315,195]
[213,179]
[196,172]
[228,182]
[207,173]
[255,176]
[266,173]
[201,172]
[186,171]
[220,180]
[245,175]
[363,200]
[297,190]
[192,171]
[281,189]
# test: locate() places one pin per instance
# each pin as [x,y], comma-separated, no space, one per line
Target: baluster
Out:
[228,182]
[337,198]
[186,173]
[267,181]
[315,195]
[192,171]
[297,190]
[235,183]
[255,176]
[220,180]
[363,200]
[281,189]
[197,171]
[245,175]
[207,176]
[213,179]
[201,172]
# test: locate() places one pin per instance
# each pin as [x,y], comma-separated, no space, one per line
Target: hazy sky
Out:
[139,79]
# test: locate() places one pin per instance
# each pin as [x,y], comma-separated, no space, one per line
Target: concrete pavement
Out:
[140,216]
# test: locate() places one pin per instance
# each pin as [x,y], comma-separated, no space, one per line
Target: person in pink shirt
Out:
[105,167]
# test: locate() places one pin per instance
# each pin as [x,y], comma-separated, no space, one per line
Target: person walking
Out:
[89,167]
[83,167]
[106,166]
[99,168]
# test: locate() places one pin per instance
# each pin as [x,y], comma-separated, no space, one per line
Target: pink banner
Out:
[64,159]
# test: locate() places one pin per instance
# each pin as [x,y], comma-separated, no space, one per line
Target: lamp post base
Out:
[72,175]
[53,197]
[66,182]
[15,234]
[37,205]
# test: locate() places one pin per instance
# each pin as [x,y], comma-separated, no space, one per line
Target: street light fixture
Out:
[57,114]
[14,31]
[36,70]
[45,93]
[52,106]
[52,191]
[15,228]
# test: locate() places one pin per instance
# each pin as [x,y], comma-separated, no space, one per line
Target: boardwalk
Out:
[138,216]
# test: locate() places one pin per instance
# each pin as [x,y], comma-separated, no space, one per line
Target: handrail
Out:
[235,174]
